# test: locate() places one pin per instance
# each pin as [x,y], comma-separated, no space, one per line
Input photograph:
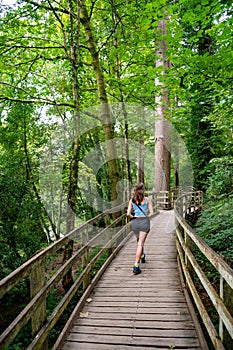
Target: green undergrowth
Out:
[214,226]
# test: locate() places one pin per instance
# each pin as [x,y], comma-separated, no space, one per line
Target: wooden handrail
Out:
[25,269]
[106,238]
[166,199]
[186,205]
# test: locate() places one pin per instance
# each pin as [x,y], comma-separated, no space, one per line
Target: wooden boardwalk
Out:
[147,311]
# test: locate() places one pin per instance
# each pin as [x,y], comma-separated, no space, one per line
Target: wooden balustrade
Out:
[86,239]
[187,206]
[99,237]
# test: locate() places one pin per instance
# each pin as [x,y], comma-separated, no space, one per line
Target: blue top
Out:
[144,206]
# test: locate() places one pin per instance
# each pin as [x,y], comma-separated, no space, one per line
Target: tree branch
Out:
[45,7]
[41,101]
[31,47]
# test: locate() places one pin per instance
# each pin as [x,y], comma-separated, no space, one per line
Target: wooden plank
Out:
[143,282]
[142,316]
[139,309]
[140,332]
[130,303]
[144,289]
[149,294]
[159,298]
[133,340]
[88,346]
[153,324]
[161,281]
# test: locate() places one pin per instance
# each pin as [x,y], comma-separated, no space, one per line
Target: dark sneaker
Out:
[136,270]
[143,258]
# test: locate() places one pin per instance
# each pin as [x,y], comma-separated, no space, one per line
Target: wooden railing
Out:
[166,199]
[102,236]
[188,243]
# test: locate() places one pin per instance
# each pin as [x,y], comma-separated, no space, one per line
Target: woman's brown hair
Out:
[138,193]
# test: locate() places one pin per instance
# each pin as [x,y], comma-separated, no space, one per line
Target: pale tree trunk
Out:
[105,117]
[176,155]
[141,158]
[162,127]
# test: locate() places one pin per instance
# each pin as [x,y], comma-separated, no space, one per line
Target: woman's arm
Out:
[129,209]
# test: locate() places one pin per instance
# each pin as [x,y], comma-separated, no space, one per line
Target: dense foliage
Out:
[51,70]
[215,222]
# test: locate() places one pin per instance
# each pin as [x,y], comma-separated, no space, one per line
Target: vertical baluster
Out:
[85,257]
[37,281]
[220,320]
[228,301]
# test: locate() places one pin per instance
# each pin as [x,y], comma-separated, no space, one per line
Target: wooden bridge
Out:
[148,310]
[158,309]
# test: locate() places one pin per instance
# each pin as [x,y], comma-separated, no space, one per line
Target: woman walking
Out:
[140,225]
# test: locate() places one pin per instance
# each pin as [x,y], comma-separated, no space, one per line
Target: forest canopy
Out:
[60,59]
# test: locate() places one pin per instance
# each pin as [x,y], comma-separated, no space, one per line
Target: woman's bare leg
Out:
[140,247]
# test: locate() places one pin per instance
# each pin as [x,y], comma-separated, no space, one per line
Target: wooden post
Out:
[85,257]
[184,209]
[155,202]
[68,278]
[107,223]
[188,240]
[228,301]
[37,281]
[221,293]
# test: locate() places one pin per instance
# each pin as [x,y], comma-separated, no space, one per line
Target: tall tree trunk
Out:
[177,165]
[105,114]
[74,61]
[73,173]
[140,158]
[126,127]
[162,127]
